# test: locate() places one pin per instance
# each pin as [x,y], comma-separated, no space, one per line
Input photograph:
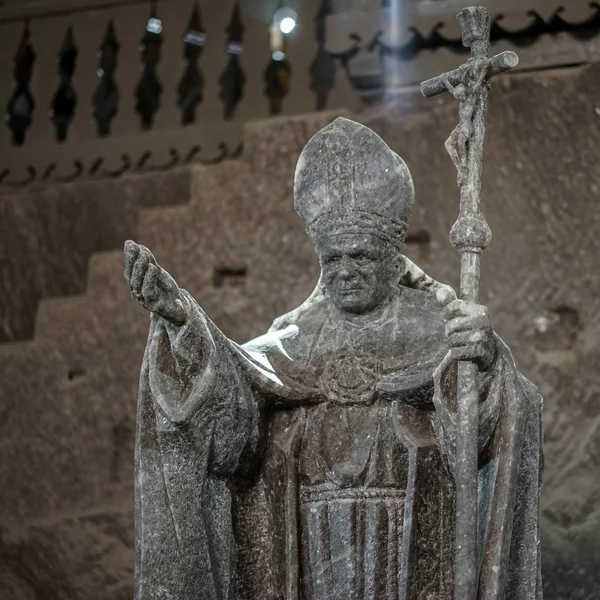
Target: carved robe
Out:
[315,463]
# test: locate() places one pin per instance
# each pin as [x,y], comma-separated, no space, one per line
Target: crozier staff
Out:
[470,235]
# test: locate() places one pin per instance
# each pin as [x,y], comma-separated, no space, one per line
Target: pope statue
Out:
[316,462]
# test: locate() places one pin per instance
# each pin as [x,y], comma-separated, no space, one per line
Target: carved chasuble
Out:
[317,462]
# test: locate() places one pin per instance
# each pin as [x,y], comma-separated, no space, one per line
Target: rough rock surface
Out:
[68,397]
[47,237]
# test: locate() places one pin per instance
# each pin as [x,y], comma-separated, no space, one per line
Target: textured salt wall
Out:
[47,238]
[68,397]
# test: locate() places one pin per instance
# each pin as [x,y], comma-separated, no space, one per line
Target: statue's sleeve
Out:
[199,422]
[509,475]
[490,394]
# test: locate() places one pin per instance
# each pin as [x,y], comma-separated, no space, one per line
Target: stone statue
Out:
[317,461]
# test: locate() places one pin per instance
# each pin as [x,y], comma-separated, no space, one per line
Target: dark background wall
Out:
[228,234]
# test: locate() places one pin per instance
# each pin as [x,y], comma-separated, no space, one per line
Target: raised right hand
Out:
[151,285]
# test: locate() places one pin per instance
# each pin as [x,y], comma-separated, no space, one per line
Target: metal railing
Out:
[98,88]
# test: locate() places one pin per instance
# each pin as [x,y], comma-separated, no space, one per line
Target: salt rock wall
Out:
[68,396]
[48,236]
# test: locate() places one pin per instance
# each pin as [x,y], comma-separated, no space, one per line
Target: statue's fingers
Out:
[465,324]
[462,353]
[454,309]
[150,290]
[149,253]
[473,352]
[445,295]
[457,324]
[462,308]
[466,338]
[167,284]
[138,273]
[132,251]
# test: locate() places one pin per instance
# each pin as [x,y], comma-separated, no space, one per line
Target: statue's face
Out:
[358,270]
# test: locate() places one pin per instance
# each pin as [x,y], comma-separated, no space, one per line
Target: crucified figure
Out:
[466,94]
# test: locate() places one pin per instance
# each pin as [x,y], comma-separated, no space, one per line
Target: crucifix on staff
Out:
[470,235]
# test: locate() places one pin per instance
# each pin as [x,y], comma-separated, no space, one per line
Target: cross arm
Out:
[497,64]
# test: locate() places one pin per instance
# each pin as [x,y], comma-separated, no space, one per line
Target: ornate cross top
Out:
[470,235]
[469,84]
[475,24]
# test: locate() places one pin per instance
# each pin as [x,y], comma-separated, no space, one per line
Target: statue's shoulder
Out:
[419,316]
[413,302]
[290,331]
[312,319]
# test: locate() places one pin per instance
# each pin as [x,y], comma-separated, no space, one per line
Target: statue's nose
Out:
[345,269]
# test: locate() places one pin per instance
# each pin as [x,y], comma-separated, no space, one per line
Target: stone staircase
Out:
[69,394]
[48,235]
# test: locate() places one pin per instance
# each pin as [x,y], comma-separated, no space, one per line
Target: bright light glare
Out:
[195,38]
[286,19]
[154,25]
[278,55]
[234,48]
[287,25]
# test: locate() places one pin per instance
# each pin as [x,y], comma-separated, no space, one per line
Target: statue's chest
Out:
[348,376]
[348,364]
[357,365]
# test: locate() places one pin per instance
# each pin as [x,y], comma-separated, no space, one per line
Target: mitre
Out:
[349,181]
